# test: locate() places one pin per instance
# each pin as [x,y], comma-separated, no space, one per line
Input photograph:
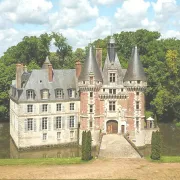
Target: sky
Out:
[82,20]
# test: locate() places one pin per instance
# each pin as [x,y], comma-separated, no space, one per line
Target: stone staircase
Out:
[116,146]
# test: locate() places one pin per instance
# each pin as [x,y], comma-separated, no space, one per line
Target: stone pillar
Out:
[78,68]
[50,73]
[99,57]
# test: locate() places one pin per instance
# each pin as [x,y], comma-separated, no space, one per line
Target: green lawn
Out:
[45,161]
[166,159]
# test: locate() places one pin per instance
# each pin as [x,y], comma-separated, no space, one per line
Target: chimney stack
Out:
[50,72]
[99,57]
[78,68]
[19,71]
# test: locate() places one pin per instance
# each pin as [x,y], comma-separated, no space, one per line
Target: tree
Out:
[156,146]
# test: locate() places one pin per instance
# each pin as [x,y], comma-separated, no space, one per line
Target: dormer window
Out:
[30,94]
[112,77]
[59,93]
[71,93]
[91,80]
[45,94]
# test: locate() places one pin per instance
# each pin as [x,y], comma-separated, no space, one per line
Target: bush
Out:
[156,146]
[178,124]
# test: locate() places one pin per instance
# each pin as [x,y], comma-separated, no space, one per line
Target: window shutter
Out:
[34,124]
[49,108]
[63,121]
[40,108]
[25,125]
[68,121]
[63,108]
[34,108]
[49,124]
[75,122]
[54,119]
[40,124]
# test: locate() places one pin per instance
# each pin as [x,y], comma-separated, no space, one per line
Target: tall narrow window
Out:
[91,108]
[59,93]
[58,122]
[91,94]
[44,108]
[44,136]
[45,94]
[44,123]
[30,124]
[137,124]
[71,122]
[112,106]
[30,94]
[112,77]
[91,80]
[112,91]
[137,104]
[71,106]
[58,107]
[29,108]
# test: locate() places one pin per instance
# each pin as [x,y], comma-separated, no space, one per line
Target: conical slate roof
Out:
[135,69]
[90,66]
[46,63]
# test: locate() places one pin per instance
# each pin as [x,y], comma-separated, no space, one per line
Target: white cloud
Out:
[130,15]
[171,34]
[106,2]
[73,13]
[26,11]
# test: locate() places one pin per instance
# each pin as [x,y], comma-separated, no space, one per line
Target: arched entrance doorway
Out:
[112,127]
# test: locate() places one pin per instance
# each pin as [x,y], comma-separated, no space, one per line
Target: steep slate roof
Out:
[90,66]
[135,69]
[62,78]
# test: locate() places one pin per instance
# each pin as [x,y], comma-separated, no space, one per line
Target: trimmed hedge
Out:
[86,145]
[156,144]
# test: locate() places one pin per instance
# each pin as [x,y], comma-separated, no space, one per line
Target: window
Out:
[58,122]
[112,77]
[59,93]
[45,94]
[112,106]
[71,122]
[44,136]
[44,108]
[137,104]
[44,123]
[90,124]
[71,134]
[58,135]
[29,108]
[137,93]
[103,90]
[71,106]
[112,91]
[58,107]
[122,89]
[30,124]
[71,93]
[91,108]
[138,81]
[91,94]
[30,94]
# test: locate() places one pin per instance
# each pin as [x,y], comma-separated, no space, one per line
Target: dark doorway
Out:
[122,129]
[112,127]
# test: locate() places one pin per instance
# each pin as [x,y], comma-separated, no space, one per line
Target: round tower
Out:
[89,82]
[135,83]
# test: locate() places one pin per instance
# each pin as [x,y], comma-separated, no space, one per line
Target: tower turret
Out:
[91,107]
[111,49]
[135,83]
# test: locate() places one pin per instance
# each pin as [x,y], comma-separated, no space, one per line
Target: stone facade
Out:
[50,107]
